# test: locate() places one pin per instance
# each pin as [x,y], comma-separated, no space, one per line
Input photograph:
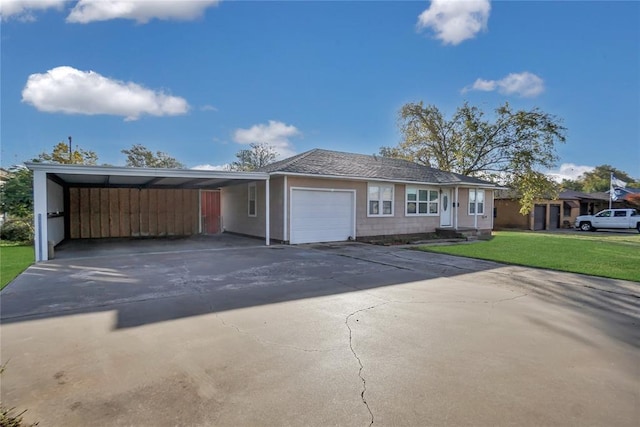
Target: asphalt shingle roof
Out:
[351,165]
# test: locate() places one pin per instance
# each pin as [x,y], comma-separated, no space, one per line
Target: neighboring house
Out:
[548,214]
[316,196]
[622,194]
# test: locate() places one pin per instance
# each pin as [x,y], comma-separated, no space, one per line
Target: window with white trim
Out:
[422,201]
[380,200]
[476,202]
[251,205]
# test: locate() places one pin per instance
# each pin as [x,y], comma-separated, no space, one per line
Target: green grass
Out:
[14,259]
[616,255]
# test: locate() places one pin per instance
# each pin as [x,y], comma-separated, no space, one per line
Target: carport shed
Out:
[78,201]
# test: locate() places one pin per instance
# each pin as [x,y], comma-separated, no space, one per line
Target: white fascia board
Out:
[146,172]
[396,181]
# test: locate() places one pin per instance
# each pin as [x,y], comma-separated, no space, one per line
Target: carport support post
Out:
[40,215]
[267,211]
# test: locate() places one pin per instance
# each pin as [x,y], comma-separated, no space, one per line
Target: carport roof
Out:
[117,176]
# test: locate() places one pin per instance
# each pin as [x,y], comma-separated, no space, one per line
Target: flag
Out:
[616,191]
[617,183]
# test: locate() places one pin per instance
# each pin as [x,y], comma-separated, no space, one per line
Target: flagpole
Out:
[610,188]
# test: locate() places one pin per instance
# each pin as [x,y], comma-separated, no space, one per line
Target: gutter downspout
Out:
[285,229]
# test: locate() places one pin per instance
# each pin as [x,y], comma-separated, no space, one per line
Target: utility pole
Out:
[70,152]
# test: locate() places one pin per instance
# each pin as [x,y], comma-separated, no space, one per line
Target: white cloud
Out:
[523,84]
[568,171]
[141,11]
[71,91]
[208,167]
[276,134]
[22,10]
[208,107]
[454,21]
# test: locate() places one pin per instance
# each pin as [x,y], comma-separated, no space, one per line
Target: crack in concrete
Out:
[353,351]
[508,299]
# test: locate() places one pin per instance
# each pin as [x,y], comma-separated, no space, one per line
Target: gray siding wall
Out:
[234,202]
[235,218]
[235,211]
[399,223]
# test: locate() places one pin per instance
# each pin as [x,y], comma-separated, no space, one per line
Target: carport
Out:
[87,202]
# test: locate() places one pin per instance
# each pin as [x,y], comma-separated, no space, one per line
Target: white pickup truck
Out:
[609,218]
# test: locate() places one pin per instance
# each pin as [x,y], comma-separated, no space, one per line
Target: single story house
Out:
[316,196]
[547,214]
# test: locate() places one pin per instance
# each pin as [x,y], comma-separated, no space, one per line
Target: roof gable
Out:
[362,166]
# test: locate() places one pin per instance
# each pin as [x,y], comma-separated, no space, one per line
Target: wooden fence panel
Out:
[179,208]
[85,214]
[94,217]
[153,212]
[124,212]
[114,212]
[162,212]
[125,220]
[144,212]
[74,213]
[104,212]
[171,212]
[195,211]
[187,198]
[134,212]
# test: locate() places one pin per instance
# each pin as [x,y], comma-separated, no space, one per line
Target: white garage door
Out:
[322,215]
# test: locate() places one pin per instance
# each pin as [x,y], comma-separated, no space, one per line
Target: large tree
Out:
[599,179]
[60,154]
[141,157]
[16,194]
[510,149]
[257,156]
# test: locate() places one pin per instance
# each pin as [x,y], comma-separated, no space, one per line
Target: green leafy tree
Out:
[599,179]
[571,184]
[509,149]
[257,156]
[16,194]
[140,156]
[60,154]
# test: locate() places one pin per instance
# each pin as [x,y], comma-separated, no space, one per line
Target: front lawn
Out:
[14,259]
[616,255]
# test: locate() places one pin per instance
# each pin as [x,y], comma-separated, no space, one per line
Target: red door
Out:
[210,211]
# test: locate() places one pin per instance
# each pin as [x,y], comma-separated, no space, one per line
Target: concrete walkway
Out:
[318,335]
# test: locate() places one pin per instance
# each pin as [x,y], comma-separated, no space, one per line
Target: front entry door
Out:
[445,208]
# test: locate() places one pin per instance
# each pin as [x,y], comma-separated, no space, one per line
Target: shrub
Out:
[8,417]
[17,230]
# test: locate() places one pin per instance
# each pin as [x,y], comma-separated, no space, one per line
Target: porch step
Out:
[464,233]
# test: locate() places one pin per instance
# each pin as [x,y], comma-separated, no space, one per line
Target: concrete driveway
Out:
[317,335]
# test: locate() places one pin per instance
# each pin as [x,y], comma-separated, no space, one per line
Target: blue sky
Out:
[201,80]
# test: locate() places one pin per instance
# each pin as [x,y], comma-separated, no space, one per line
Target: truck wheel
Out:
[585,226]
[638,227]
